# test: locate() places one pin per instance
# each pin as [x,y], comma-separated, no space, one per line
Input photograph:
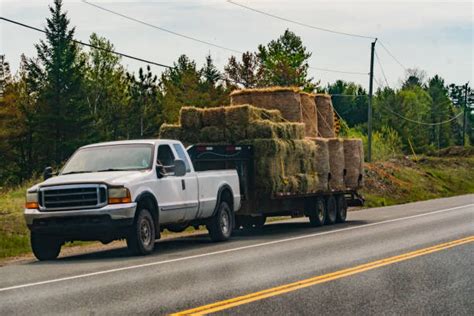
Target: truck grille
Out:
[71,197]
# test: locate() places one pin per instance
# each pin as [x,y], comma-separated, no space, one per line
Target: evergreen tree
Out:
[246,73]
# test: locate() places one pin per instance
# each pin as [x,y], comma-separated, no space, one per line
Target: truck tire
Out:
[220,225]
[341,208]
[318,214]
[331,210]
[45,247]
[141,238]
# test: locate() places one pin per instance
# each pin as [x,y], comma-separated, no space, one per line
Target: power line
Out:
[299,23]
[341,71]
[391,55]
[381,68]
[161,28]
[89,45]
[420,122]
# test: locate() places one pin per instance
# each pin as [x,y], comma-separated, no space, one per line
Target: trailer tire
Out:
[45,247]
[318,215]
[141,238]
[220,225]
[341,208]
[331,210]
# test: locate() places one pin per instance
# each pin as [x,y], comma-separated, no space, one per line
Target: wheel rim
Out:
[145,232]
[320,213]
[225,222]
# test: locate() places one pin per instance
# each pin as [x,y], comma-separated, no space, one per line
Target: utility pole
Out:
[371,86]
[464,118]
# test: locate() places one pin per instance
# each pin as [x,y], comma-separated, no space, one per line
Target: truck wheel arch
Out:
[150,198]
[224,194]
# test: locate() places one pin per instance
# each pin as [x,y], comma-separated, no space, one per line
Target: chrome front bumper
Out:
[115,211]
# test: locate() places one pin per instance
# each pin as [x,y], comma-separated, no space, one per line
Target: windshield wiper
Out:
[74,172]
[111,169]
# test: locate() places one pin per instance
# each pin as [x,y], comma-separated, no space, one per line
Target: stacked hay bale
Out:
[336,163]
[321,162]
[325,113]
[354,162]
[310,117]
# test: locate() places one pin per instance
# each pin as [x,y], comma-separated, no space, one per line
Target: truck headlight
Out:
[119,195]
[32,200]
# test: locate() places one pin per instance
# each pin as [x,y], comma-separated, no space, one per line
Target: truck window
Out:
[182,156]
[166,158]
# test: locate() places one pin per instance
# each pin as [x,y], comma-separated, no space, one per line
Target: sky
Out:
[436,37]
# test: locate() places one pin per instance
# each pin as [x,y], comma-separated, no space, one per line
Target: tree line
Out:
[67,96]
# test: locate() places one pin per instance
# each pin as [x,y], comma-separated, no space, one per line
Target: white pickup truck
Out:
[132,190]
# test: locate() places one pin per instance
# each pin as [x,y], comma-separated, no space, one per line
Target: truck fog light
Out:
[119,195]
[31,200]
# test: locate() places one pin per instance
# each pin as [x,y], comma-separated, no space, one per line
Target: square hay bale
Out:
[272,115]
[354,162]
[170,131]
[325,113]
[190,136]
[336,163]
[285,99]
[214,116]
[241,115]
[262,129]
[212,134]
[190,117]
[321,162]
[310,117]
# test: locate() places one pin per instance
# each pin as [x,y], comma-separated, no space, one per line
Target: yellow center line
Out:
[252,297]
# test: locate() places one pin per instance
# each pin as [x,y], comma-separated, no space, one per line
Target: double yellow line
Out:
[252,297]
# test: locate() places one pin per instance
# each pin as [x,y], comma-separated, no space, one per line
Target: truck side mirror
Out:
[160,171]
[47,173]
[179,168]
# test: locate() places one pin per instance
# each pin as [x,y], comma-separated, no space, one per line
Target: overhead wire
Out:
[391,55]
[161,28]
[381,68]
[299,23]
[90,45]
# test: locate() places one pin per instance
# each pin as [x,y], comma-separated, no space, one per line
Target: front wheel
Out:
[45,247]
[221,225]
[141,239]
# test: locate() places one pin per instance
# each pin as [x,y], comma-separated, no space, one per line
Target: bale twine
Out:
[321,162]
[325,115]
[310,117]
[336,163]
[285,99]
[353,160]
[190,117]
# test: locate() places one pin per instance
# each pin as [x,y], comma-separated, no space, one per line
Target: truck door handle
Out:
[183,184]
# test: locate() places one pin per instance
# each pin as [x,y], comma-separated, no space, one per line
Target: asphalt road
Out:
[189,272]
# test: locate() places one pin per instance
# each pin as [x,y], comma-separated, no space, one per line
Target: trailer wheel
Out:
[318,214]
[141,239]
[220,226]
[331,210]
[341,208]
[45,247]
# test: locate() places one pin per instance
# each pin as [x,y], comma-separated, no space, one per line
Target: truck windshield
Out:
[110,158]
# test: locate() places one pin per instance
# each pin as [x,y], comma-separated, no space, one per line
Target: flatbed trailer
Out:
[323,207]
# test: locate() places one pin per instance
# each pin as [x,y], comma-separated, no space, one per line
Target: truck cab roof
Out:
[134,141]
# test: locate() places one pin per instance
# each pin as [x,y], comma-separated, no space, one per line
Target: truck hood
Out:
[112,178]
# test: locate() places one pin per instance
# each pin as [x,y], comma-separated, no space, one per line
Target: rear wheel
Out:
[331,210]
[45,247]
[141,239]
[341,208]
[318,214]
[221,225]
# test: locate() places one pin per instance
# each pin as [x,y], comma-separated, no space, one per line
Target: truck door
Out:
[189,184]
[168,189]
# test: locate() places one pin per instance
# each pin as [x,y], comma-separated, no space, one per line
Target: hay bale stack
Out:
[170,131]
[354,162]
[321,162]
[310,117]
[190,117]
[214,116]
[285,99]
[336,163]
[325,113]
